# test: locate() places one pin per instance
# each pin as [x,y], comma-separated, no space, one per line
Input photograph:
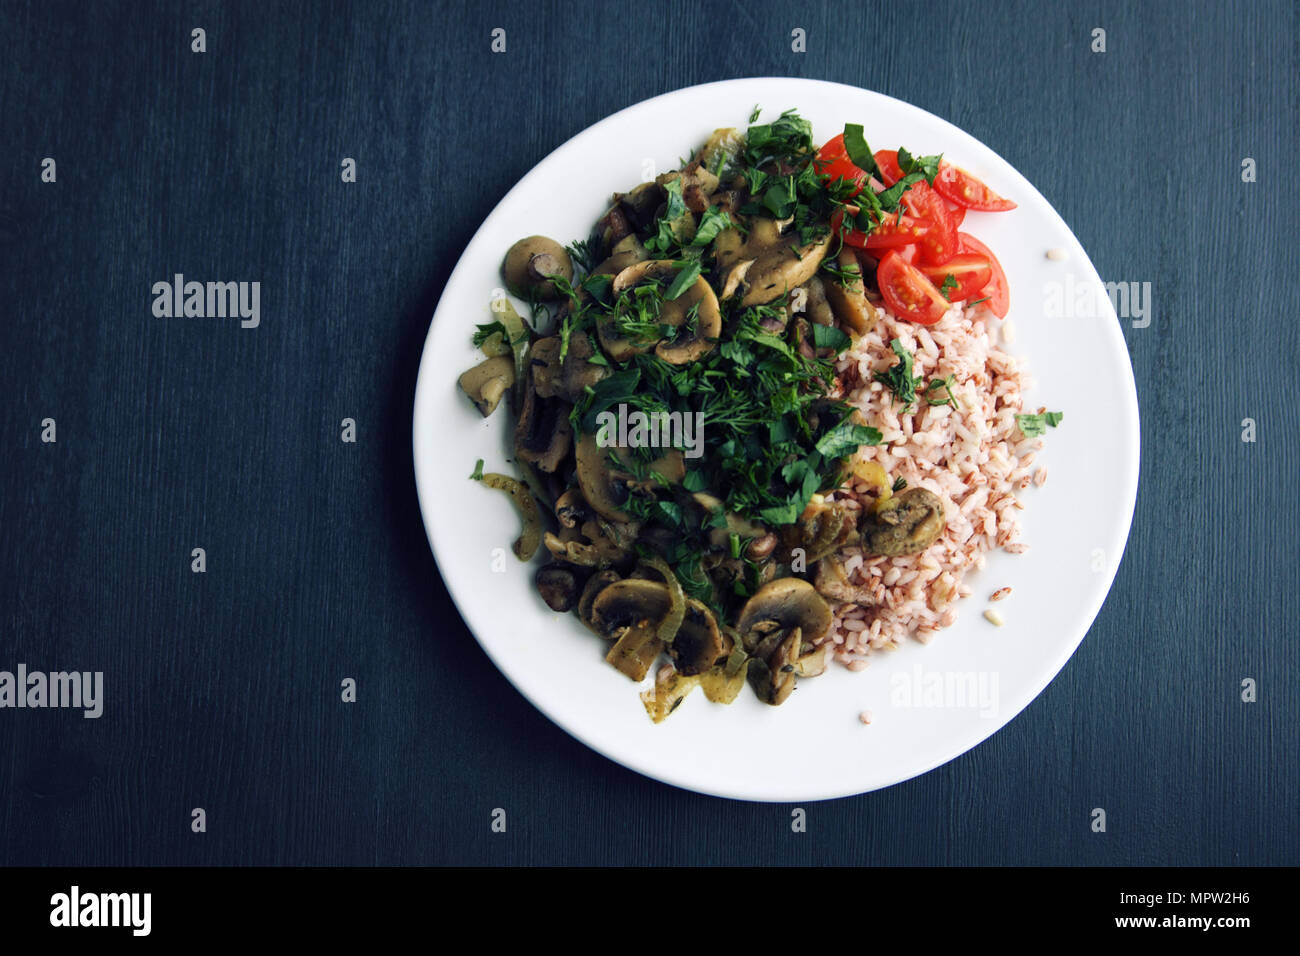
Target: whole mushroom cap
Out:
[529,261]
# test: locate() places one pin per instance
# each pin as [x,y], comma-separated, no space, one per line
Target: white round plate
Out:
[930,703]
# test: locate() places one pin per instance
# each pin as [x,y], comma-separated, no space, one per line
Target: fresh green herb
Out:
[829,337]
[669,226]
[1031,426]
[890,198]
[489,329]
[713,221]
[855,144]
[754,115]
[899,378]
[582,254]
[789,135]
[781,198]
[946,383]
[899,484]
[949,282]
[566,331]
[928,166]
[977,301]
[845,438]
[598,286]
[734,540]
[685,278]
[478,471]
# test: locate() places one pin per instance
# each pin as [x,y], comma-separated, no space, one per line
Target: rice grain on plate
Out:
[973,457]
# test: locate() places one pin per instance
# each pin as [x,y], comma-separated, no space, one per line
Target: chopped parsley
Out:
[686,276]
[927,166]
[1031,426]
[829,337]
[898,378]
[489,329]
[855,144]
[946,384]
[477,474]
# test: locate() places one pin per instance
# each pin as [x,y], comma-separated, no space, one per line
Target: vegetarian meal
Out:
[763,419]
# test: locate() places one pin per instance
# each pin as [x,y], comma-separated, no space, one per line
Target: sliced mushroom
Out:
[783,604]
[832,580]
[812,661]
[570,508]
[720,537]
[904,524]
[720,148]
[628,612]
[598,481]
[544,360]
[823,530]
[595,545]
[613,226]
[559,585]
[698,299]
[698,645]
[607,489]
[735,276]
[640,204]
[568,379]
[780,263]
[590,591]
[817,306]
[772,672]
[530,261]
[848,299]
[698,184]
[625,252]
[580,373]
[543,435]
[486,382]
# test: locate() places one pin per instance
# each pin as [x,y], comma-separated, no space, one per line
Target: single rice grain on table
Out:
[973,457]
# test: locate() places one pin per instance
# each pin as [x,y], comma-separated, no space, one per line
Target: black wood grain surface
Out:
[222,689]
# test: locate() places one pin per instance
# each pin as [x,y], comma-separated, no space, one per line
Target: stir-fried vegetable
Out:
[525,545]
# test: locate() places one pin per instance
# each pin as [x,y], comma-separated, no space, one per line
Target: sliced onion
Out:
[671,623]
[525,545]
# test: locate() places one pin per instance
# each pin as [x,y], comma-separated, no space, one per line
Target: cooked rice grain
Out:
[973,457]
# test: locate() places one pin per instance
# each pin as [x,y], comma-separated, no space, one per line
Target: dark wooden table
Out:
[222,689]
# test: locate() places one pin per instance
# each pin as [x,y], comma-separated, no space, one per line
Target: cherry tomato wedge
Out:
[887,162]
[894,231]
[833,161]
[970,272]
[906,253]
[956,213]
[908,293]
[996,289]
[939,244]
[960,187]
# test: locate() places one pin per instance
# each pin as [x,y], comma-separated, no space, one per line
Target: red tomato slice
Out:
[958,186]
[956,213]
[894,231]
[971,272]
[996,289]
[906,253]
[887,162]
[908,293]
[897,231]
[833,161]
[940,243]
